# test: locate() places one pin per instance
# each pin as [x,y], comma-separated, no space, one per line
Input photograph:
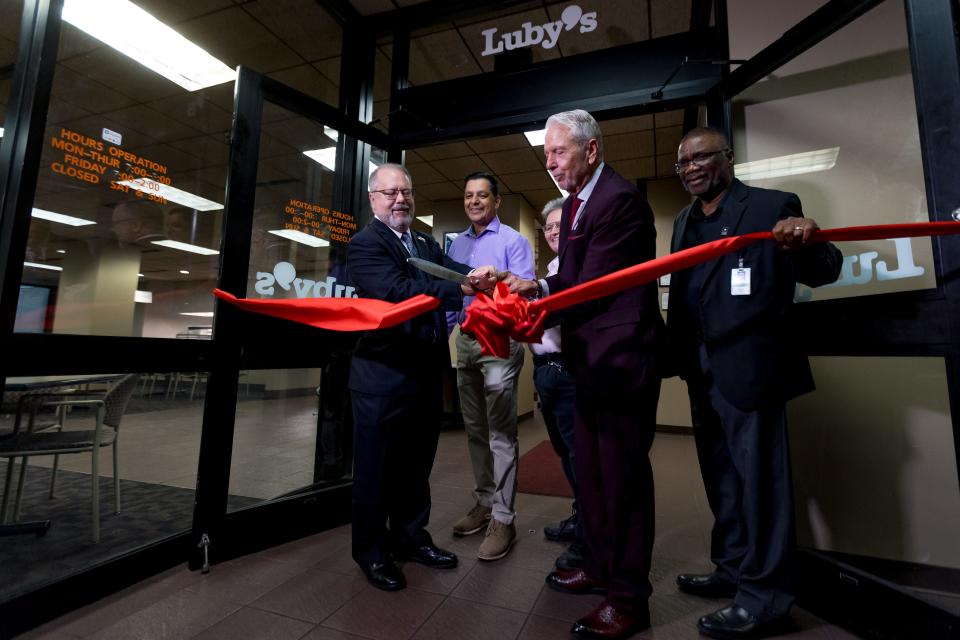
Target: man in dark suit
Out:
[731,340]
[396,384]
[611,346]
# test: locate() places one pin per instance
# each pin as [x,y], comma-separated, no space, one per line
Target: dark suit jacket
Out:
[755,355]
[612,344]
[400,360]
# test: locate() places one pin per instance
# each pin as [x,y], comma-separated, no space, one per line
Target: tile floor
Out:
[311,590]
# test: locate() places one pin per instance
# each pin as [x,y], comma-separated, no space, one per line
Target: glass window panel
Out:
[159,434]
[139,165]
[752,27]
[276,450]
[838,126]
[875,465]
[299,241]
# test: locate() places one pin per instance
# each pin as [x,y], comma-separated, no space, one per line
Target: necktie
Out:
[573,211]
[408,243]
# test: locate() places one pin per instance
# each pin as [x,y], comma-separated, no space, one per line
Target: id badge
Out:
[740,280]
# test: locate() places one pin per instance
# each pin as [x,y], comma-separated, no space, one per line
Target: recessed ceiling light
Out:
[146,297]
[139,275]
[61,250]
[789,165]
[198,314]
[299,236]
[154,188]
[184,272]
[427,220]
[328,158]
[536,137]
[52,216]
[137,34]
[37,265]
[183,246]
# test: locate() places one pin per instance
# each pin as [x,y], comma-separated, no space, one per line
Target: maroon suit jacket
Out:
[613,344]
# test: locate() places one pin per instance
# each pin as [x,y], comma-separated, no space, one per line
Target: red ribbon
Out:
[493,320]
[337,314]
[510,315]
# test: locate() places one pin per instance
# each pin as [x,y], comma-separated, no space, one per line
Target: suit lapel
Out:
[390,239]
[680,229]
[730,216]
[565,225]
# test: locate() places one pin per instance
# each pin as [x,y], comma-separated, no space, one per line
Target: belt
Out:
[555,358]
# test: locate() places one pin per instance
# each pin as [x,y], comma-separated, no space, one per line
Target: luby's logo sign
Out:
[546,35]
[285,276]
[868,271]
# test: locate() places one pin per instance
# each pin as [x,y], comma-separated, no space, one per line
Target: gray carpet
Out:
[149,512]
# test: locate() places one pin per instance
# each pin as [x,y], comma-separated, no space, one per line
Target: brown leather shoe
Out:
[608,623]
[575,581]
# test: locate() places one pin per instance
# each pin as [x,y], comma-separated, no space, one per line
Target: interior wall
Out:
[667,198]
[874,460]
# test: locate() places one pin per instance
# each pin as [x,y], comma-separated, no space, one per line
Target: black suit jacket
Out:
[612,344]
[754,353]
[401,360]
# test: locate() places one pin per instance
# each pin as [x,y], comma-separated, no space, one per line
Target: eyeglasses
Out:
[553,226]
[698,160]
[393,193]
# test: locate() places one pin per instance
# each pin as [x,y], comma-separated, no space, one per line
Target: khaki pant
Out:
[488,402]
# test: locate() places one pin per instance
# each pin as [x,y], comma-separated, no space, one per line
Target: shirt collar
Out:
[493,227]
[584,194]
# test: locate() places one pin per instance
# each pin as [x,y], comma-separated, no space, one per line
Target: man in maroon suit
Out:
[612,346]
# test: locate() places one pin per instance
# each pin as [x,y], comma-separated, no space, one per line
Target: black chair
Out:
[108,407]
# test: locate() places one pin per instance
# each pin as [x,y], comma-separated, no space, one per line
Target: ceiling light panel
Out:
[299,236]
[183,246]
[187,199]
[137,34]
[60,218]
[789,165]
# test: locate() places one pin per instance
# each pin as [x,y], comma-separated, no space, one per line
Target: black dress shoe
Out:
[384,575]
[607,622]
[428,554]
[563,531]
[736,623]
[710,585]
[571,558]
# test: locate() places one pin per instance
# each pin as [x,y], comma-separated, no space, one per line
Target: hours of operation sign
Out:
[318,221]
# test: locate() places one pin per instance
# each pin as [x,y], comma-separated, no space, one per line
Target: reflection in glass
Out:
[875,468]
[153,420]
[803,130]
[276,449]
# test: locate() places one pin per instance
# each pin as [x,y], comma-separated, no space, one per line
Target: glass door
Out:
[275,458]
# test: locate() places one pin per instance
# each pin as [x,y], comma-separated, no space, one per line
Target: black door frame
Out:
[313,509]
[238,342]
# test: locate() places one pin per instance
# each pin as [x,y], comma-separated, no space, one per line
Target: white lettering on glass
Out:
[906,268]
[545,35]
[285,275]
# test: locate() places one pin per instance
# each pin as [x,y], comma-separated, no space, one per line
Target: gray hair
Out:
[374,181]
[583,127]
[556,203]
